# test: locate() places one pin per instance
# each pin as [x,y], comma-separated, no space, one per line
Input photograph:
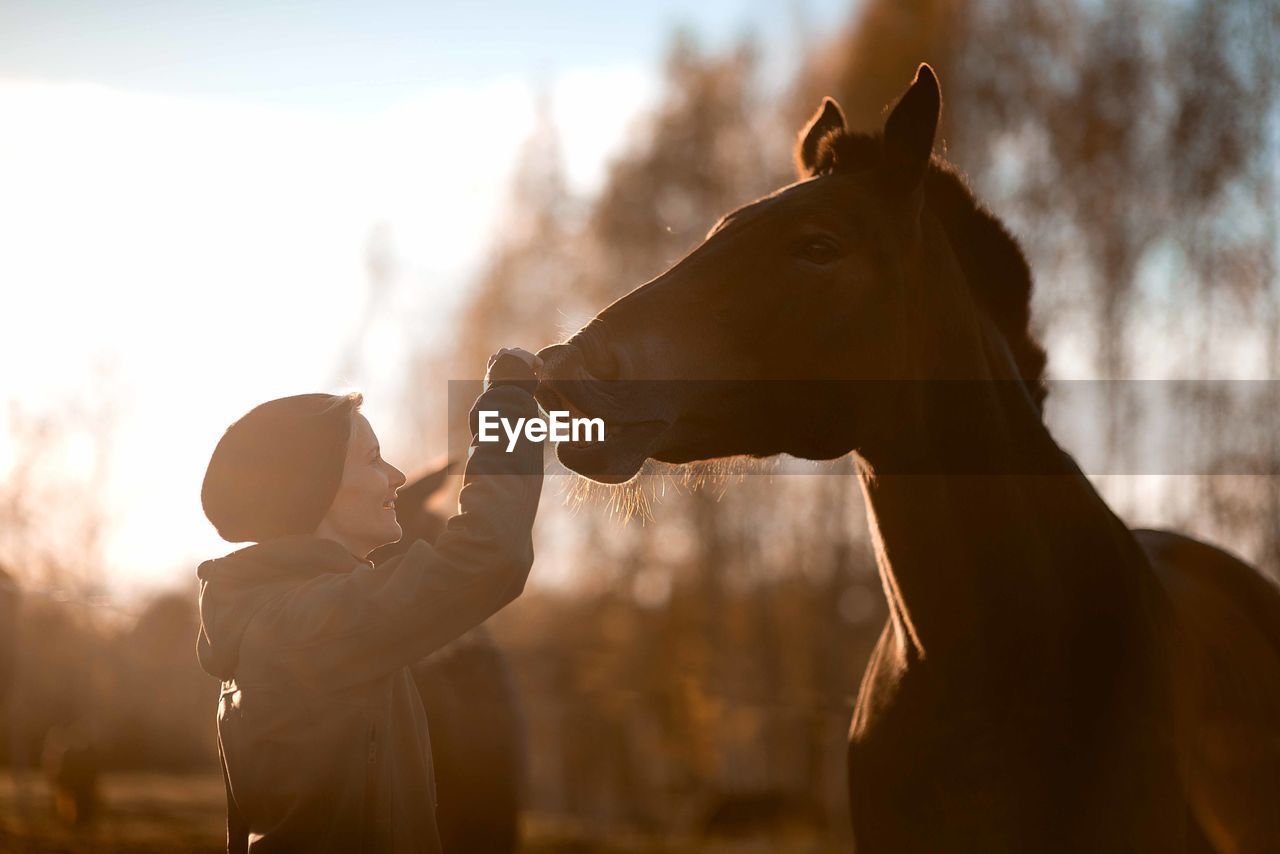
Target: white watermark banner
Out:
[558,426]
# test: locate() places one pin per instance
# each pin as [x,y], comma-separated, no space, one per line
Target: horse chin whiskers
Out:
[627,500]
[635,498]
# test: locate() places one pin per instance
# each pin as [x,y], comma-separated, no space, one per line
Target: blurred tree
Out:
[157,705]
[526,286]
[1132,147]
[54,511]
[697,156]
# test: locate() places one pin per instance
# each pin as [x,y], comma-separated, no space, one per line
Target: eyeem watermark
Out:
[558,426]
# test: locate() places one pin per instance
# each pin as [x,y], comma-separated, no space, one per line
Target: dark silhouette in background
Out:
[72,768]
[10,606]
[10,600]
[1047,679]
[472,710]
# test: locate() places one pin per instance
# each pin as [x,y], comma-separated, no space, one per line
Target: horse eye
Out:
[819,250]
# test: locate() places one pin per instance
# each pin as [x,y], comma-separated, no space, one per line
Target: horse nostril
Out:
[584,356]
[559,359]
[554,352]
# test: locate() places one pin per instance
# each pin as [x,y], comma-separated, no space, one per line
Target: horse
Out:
[1047,679]
[473,717]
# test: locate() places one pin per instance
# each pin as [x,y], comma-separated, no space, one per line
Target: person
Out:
[321,732]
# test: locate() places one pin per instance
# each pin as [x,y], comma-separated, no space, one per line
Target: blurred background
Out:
[205,206]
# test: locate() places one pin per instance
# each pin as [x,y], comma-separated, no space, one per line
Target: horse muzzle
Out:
[632,414]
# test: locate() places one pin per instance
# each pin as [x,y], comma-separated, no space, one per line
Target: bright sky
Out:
[187,191]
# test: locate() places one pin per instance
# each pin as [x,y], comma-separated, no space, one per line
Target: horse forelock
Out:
[843,151]
[993,263]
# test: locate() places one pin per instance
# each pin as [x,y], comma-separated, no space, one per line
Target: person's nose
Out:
[397,478]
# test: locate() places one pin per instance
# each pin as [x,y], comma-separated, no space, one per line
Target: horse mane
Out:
[990,257]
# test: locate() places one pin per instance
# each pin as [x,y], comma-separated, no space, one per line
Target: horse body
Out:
[1225,643]
[1019,698]
[1047,679]
[1040,728]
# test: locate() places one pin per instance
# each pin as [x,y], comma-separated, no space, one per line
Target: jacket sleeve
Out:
[340,630]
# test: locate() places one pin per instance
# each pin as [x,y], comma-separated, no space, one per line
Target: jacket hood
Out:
[233,588]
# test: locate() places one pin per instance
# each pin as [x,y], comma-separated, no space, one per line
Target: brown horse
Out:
[1048,680]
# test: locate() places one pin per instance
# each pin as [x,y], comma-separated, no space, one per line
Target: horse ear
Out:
[910,128]
[827,119]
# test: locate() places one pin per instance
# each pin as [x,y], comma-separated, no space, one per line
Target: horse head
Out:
[792,327]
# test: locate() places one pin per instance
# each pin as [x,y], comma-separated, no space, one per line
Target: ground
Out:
[153,813]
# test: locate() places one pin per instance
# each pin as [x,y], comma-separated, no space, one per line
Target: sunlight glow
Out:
[212,254]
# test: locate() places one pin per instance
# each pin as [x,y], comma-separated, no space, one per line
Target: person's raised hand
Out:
[513,366]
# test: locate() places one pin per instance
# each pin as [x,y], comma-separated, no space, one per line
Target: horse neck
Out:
[985,530]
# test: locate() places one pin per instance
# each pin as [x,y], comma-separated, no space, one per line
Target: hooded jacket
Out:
[321,732]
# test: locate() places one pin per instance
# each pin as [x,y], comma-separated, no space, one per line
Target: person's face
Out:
[363,514]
